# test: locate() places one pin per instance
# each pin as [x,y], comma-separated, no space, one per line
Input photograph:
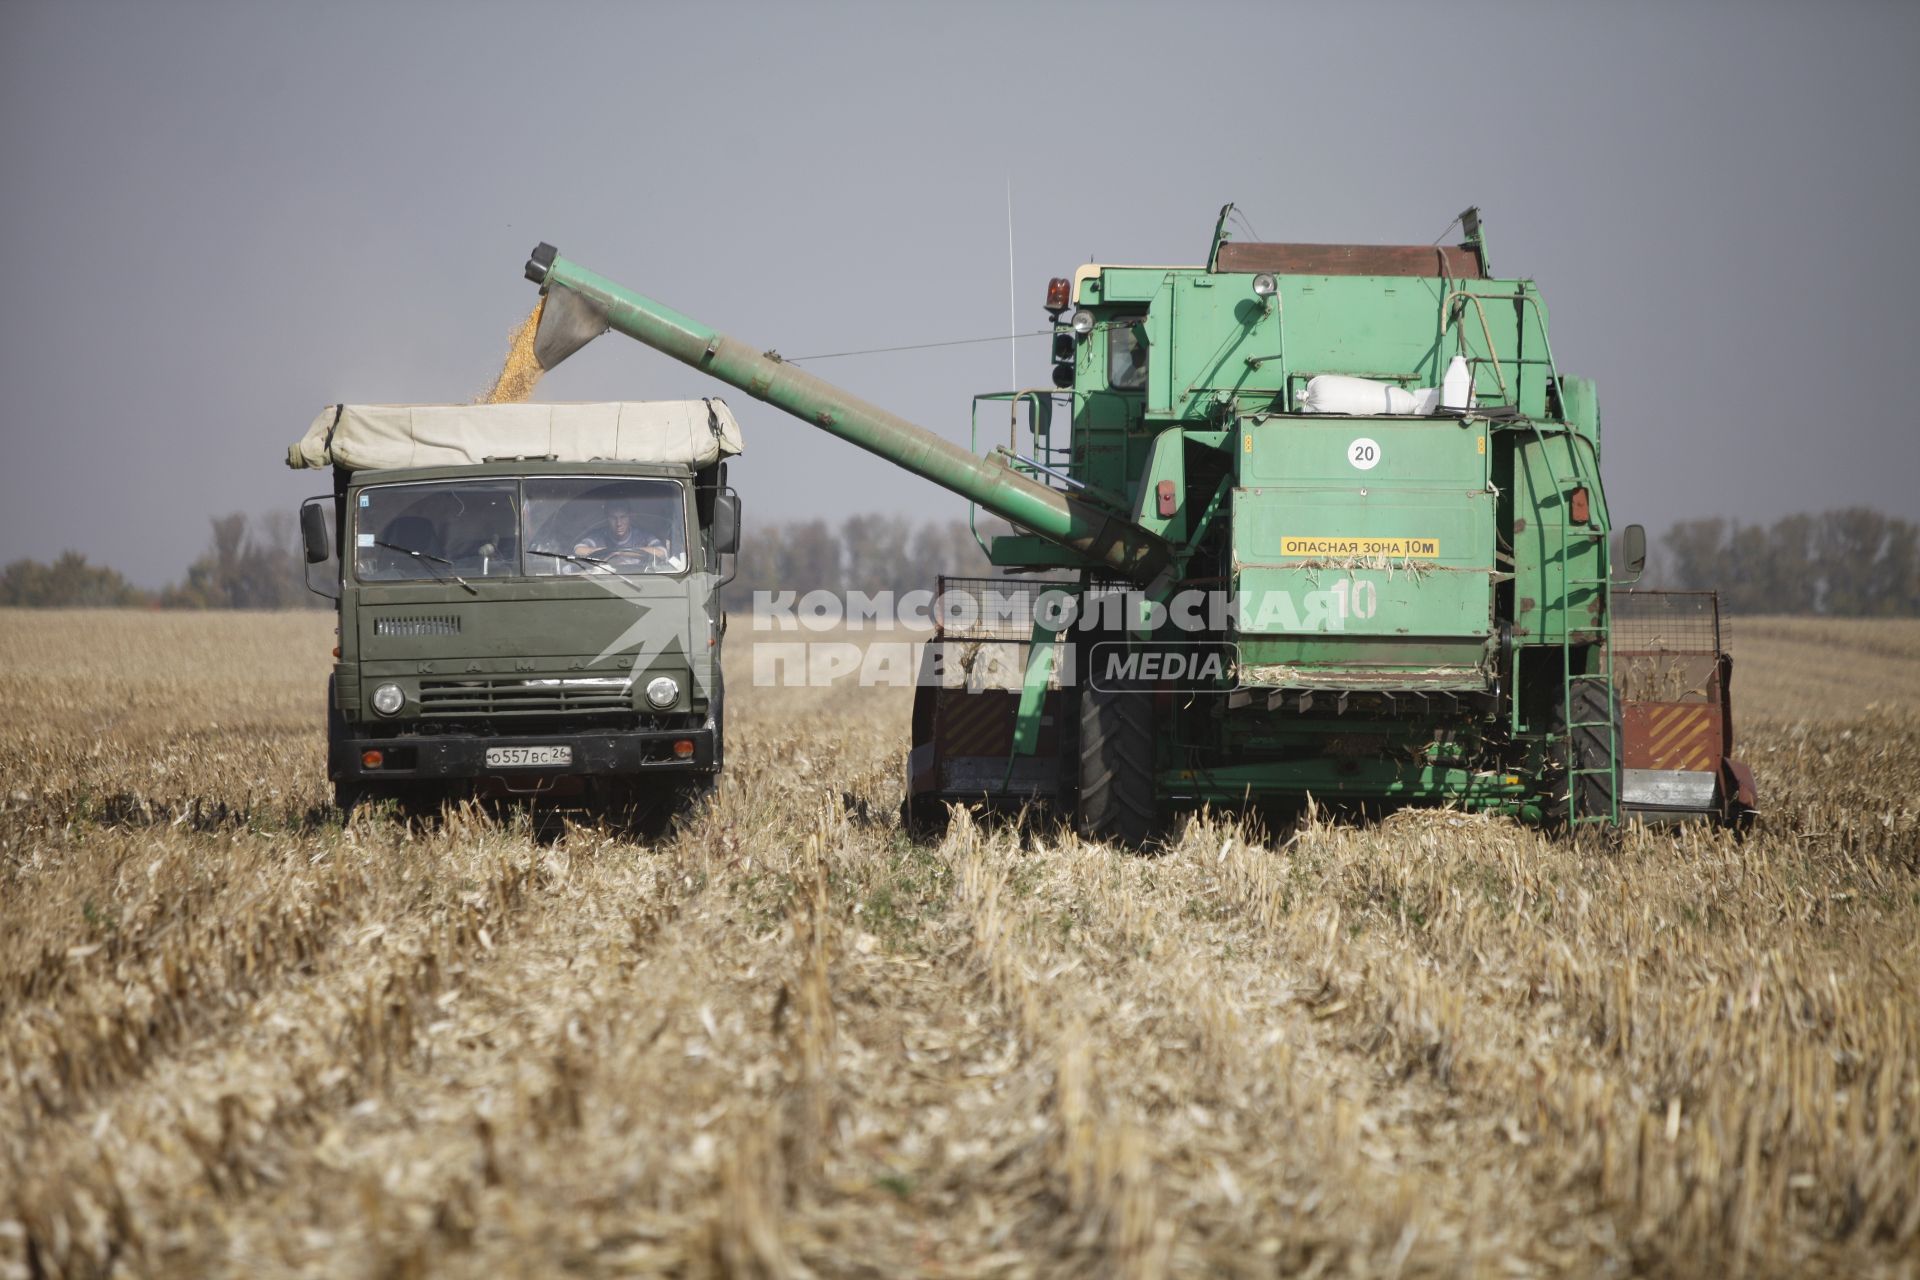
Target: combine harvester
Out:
[1326,521]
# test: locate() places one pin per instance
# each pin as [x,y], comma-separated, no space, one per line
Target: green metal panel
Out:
[1376,569]
[1544,560]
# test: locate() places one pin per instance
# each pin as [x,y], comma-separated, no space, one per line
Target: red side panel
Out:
[974,724]
[1671,735]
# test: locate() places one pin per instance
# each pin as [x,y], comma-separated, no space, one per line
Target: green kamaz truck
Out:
[1295,520]
[529,599]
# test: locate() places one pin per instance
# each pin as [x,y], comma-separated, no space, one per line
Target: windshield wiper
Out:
[430,558]
[568,555]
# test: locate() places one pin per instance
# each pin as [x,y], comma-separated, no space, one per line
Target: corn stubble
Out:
[240,1039]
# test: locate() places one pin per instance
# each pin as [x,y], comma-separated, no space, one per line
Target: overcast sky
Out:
[219,218]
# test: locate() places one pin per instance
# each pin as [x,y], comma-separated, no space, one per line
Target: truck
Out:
[1294,521]
[528,600]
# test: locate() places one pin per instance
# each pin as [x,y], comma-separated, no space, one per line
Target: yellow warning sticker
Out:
[1422,548]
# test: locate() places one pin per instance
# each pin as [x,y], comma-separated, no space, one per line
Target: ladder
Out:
[1573,537]
[1594,532]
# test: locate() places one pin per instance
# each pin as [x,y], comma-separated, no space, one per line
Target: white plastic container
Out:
[1456,389]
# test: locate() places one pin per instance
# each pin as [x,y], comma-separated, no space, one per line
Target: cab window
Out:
[1127,353]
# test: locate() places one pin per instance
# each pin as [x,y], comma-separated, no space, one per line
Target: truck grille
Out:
[418,625]
[588,695]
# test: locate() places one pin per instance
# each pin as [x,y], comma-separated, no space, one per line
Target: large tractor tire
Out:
[1594,794]
[1116,792]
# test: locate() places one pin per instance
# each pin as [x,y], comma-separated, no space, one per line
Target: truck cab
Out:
[543,626]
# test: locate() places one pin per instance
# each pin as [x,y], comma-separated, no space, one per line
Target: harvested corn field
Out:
[242,1039]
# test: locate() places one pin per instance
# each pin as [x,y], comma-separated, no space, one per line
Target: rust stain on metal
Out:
[1454,261]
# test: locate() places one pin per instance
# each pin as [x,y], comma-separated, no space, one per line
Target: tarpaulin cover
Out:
[369,437]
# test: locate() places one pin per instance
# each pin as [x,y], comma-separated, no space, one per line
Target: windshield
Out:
[459,530]
[404,532]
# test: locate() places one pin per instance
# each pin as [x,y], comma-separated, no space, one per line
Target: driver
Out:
[622,538]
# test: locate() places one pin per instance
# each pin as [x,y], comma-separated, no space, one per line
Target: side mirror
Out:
[314,534]
[726,524]
[1633,552]
[316,544]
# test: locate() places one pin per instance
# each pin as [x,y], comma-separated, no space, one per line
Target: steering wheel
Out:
[636,555]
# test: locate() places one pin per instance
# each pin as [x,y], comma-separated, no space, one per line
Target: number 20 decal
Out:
[1364,453]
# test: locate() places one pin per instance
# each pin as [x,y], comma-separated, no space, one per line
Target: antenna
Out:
[1013,317]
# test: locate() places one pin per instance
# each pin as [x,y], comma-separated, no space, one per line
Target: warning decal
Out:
[1424,548]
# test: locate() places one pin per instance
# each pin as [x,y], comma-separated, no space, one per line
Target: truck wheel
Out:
[924,818]
[348,796]
[1116,793]
[689,797]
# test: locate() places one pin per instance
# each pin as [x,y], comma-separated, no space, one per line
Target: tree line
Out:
[256,563]
[249,563]
[865,553]
[1853,562]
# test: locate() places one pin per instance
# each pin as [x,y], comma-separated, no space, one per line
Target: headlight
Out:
[388,699]
[1265,286]
[1083,323]
[663,691]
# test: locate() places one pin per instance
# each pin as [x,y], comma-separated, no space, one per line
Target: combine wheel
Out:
[1594,794]
[1116,793]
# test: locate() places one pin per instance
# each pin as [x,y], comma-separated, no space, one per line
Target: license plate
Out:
[527,757]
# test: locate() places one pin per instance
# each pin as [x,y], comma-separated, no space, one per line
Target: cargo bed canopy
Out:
[378,437]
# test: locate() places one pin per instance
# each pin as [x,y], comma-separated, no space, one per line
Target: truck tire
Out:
[347,795]
[924,819]
[1116,792]
[717,712]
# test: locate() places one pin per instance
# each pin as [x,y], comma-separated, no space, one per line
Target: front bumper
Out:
[438,756]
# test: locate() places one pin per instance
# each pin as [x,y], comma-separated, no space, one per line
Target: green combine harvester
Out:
[1301,520]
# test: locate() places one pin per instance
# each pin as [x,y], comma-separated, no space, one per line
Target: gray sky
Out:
[218,218]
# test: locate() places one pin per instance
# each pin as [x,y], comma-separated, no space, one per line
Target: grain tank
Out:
[1298,520]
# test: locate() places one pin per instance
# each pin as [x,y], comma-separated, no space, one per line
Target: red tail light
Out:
[1577,505]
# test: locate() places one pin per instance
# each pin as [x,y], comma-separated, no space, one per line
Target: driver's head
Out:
[620,517]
